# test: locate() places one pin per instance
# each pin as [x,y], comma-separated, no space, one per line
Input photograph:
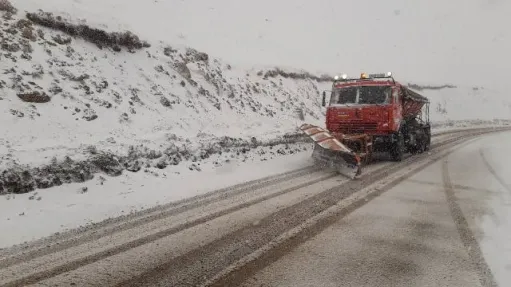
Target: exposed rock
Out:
[34,97]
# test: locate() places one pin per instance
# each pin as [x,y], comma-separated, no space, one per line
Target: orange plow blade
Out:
[331,152]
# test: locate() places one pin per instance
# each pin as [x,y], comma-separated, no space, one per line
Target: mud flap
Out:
[330,152]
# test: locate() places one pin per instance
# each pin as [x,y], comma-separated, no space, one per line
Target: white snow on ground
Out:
[148,98]
[41,213]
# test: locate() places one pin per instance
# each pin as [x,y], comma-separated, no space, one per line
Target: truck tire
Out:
[398,148]
[418,148]
[422,145]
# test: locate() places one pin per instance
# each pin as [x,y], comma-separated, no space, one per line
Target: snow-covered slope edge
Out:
[69,108]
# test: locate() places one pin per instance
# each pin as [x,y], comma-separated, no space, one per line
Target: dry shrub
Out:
[195,55]
[34,97]
[429,87]
[6,6]
[62,40]
[10,47]
[97,36]
[28,33]
[296,76]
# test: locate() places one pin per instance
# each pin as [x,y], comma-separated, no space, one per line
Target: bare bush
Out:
[61,40]
[23,179]
[197,56]
[34,97]
[165,102]
[429,87]
[28,33]
[10,47]
[6,6]
[168,51]
[97,36]
[296,76]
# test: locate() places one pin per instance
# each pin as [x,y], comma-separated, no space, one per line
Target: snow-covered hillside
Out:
[70,108]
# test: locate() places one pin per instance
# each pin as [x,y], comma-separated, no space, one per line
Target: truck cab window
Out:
[364,95]
[374,95]
[344,96]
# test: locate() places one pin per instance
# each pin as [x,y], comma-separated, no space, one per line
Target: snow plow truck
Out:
[372,113]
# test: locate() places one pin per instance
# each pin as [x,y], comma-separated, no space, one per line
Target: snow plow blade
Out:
[329,151]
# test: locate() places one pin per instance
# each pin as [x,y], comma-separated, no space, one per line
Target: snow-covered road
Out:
[43,212]
[210,236]
[447,225]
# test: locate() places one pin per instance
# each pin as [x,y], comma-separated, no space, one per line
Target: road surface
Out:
[377,229]
[422,232]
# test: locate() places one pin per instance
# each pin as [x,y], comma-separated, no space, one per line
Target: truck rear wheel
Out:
[421,145]
[398,148]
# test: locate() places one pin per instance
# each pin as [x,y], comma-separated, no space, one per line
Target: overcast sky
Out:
[430,40]
[459,41]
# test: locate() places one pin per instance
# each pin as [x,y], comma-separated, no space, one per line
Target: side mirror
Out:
[323,103]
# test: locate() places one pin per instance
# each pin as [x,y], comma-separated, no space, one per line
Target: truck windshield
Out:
[363,95]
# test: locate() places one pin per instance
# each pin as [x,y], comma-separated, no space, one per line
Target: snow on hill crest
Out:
[116,108]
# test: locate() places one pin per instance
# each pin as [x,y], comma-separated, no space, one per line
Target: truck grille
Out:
[356,127]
